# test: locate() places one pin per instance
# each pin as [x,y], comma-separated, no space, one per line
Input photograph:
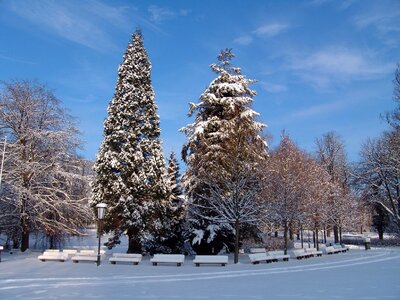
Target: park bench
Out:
[177,259]
[313,251]
[340,248]
[256,258]
[330,250]
[70,252]
[126,257]
[300,253]
[210,259]
[53,255]
[257,250]
[87,255]
[279,254]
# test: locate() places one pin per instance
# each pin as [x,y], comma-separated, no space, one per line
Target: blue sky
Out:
[320,65]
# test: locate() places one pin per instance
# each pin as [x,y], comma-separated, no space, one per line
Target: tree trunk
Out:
[313,238]
[24,235]
[276,233]
[24,240]
[285,236]
[291,232]
[324,235]
[16,243]
[380,234]
[51,242]
[236,255]
[316,238]
[340,234]
[301,234]
[134,245]
[336,234]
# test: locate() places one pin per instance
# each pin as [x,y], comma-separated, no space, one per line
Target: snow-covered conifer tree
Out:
[130,168]
[225,130]
[170,238]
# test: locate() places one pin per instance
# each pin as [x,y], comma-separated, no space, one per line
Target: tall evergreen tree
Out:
[225,130]
[130,168]
[170,239]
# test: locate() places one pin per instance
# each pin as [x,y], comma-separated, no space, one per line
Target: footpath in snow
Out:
[358,274]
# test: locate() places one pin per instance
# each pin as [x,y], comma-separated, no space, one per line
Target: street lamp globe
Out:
[101,209]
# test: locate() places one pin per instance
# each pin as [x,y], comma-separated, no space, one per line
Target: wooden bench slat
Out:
[256,258]
[210,259]
[168,258]
[134,258]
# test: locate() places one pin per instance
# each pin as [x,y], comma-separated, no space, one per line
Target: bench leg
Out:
[154,264]
[197,265]
[135,263]
[223,265]
[113,262]
[75,261]
[43,260]
[286,259]
[178,264]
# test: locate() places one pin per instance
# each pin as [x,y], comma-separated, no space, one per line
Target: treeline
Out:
[234,186]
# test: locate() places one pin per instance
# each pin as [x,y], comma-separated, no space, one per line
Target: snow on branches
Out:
[45,182]
[225,132]
[130,168]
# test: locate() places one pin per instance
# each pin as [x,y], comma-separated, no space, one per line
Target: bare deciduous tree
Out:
[46,189]
[378,173]
[284,188]
[331,155]
[393,117]
[234,198]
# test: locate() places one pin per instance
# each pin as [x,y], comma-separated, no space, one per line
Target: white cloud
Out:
[184,12]
[326,66]
[17,60]
[85,24]
[319,109]
[244,40]
[159,14]
[344,4]
[312,111]
[386,23]
[273,87]
[270,30]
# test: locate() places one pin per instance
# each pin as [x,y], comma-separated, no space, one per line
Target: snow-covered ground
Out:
[358,274]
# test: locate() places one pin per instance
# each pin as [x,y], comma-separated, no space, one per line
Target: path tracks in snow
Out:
[215,274]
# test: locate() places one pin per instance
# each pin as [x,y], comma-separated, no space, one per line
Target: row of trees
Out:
[234,185]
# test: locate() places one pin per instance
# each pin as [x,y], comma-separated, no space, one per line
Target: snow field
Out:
[357,274]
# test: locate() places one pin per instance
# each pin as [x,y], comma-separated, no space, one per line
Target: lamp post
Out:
[101,209]
[2,163]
